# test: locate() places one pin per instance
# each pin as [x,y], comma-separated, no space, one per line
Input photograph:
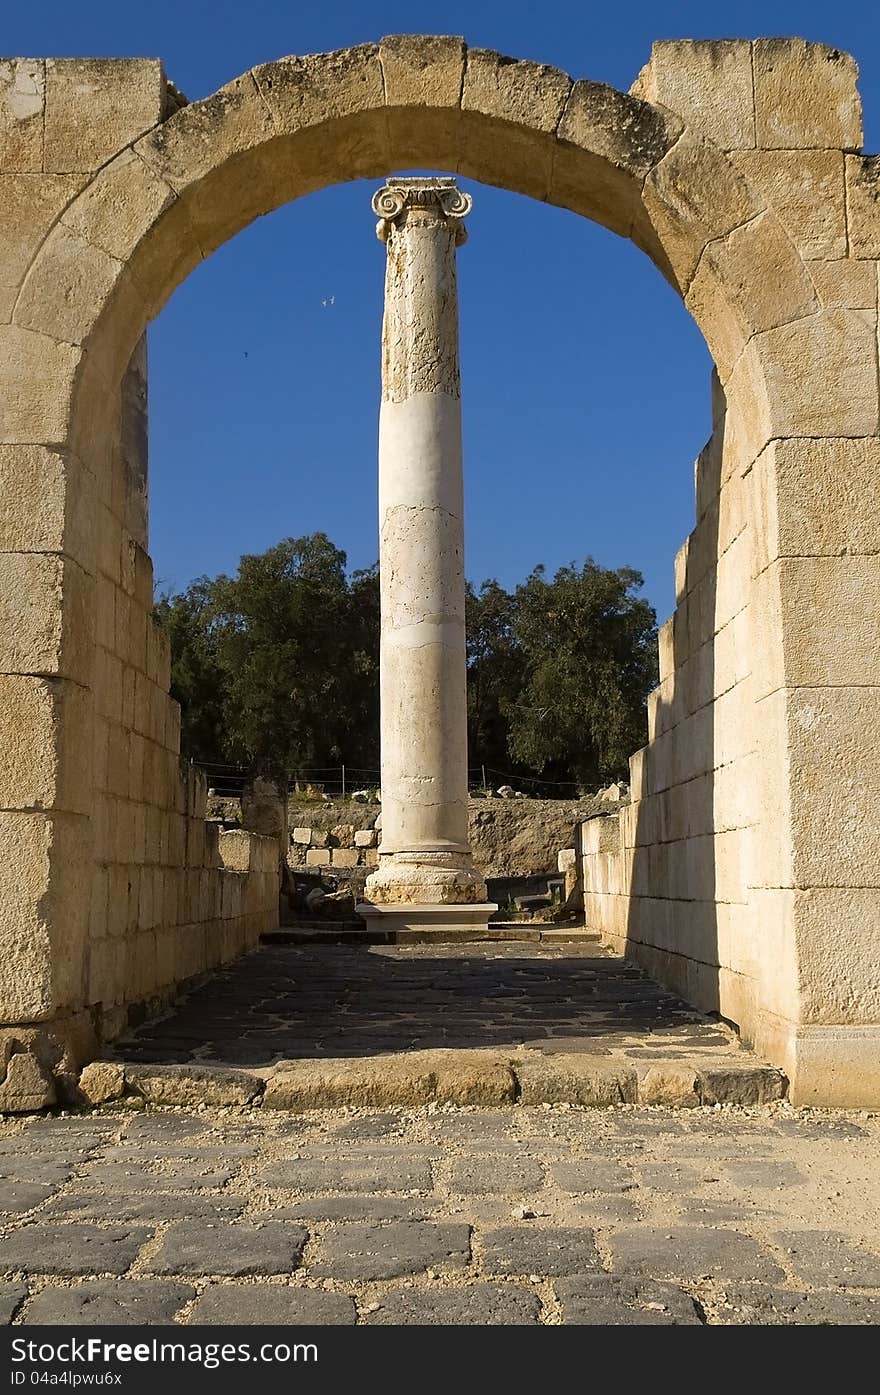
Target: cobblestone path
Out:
[442,1216]
[325,1001]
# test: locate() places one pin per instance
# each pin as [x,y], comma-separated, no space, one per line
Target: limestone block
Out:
[830,620]
[344,857]
[805,188]
[22,104]
[805,96]
[607,144]
[863,205]
[190,1086]
[235,850]
[570,1079]
[320,838]
[365,838]
[694,196]
[318,857]
[102,1081]
[45,621]
[666,650]
[730,302]
[708,82]
[29,205]
[116,209]
[524,103]
[843,284]
[775,381]
[95,106]
[45,895]
[342,836]
[423,77]
[231,889]
[834,760]
[565,859]
[302,837]
[26,1085]
[817,497]
[36,382]
[45,726]
[669,1084]
[681,571]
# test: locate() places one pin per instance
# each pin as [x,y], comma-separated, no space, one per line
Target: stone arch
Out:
[173,189]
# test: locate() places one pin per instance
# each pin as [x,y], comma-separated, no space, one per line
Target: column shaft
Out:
[425,854]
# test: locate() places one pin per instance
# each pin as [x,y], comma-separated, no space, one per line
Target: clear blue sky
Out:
[585,381]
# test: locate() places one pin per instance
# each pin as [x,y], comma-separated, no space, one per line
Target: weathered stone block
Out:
[570,1079]
[708,82]
[193,1085]
[318,857]
[805,189]
[26,1085]
[120,100]
[22,104]
[805,96]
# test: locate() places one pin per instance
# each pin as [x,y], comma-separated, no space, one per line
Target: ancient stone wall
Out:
[750,855]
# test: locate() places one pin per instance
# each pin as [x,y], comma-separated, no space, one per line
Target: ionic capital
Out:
[439,200]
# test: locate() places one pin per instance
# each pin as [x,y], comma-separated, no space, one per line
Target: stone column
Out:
[426,877]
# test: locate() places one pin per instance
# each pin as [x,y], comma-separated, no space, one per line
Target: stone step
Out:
[462,1077]
[356,933]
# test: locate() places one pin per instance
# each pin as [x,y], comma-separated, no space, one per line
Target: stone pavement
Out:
[330,1001]
[446,1216]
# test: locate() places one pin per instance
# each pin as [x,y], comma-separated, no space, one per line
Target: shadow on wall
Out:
[684,836]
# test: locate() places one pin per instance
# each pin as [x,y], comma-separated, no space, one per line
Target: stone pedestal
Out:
[424,857]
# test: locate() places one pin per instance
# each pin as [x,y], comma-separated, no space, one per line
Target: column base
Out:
[425,879]
[421,924]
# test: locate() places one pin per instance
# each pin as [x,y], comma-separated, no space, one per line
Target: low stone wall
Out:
[510,837]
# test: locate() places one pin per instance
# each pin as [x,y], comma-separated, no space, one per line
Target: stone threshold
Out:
[447,1076]
[356,933]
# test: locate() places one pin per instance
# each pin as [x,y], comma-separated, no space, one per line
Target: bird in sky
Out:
[328,300]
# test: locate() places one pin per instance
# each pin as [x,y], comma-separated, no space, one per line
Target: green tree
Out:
[197,678]
[591,653]
[496,672]
[277,667]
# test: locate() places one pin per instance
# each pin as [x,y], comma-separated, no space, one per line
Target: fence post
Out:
[343,782]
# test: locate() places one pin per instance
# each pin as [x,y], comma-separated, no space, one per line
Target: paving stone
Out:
[822,1257]
[158,1207]
[162,1127]
[818,1128]
[18,1197]
[480,1305]
[380,1174]
[353,1208]
[71,1249]
[375,1126]
[528,1248]
[690,1252]
[281,1305]
[125,1302]
[602,1301]
[35,1170]
[608,1207]
[760,1175]
[388,1251]
[591,1175]
[192,1247]
[11,1297]
[673,1178]
[756,1305]
[178,1176]
[487,1175]
[177,1154]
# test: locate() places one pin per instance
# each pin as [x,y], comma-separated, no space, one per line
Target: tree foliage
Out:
[277,667]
